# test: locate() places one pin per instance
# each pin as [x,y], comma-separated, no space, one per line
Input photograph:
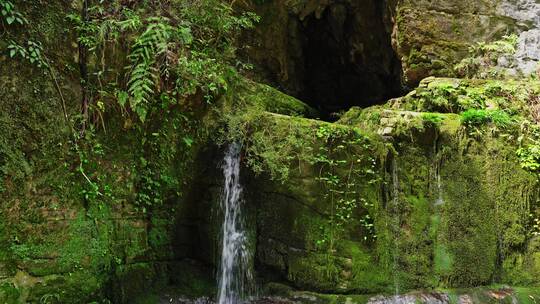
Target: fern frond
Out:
[144,74]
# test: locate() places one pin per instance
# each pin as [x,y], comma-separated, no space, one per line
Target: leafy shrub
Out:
[529,157]
[500,118]
[33,52]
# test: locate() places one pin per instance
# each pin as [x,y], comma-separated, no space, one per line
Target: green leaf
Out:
[122,97]
[185,35]
[141,112]
[188,141]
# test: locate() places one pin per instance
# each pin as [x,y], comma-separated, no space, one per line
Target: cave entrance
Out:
[348,57]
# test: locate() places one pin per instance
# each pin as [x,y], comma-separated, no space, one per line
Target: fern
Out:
[144,73]
[191,53]
[132,21]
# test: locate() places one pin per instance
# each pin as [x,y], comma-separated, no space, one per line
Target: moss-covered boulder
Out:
[461,179]
[394,198]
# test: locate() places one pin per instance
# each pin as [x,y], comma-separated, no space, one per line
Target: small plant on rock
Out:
[432,119]
[483,59]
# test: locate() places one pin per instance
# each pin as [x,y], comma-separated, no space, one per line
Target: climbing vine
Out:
[340,171]
[10,15]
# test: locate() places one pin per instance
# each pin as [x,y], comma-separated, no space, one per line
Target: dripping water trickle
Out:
[437,169]
[440,200]
[396,225]
[235,274]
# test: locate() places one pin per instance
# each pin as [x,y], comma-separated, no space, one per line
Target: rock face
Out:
[352,44]
[448,208]
[526,14]
[396,197]
[332,54]
[432,36]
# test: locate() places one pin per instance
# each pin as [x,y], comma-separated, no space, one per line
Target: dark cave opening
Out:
[348,59]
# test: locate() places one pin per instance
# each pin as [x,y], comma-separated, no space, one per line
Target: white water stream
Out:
[235,275]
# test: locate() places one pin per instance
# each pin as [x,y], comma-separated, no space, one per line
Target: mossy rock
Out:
[432,37]
[450,95]
[267,98]
[132,281]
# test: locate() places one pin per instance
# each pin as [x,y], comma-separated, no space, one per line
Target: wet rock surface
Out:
[471,296]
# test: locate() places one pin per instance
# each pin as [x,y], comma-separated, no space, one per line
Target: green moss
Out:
[528,295]
[80,286]
[443,262]
[367,275]
[469,234]
[264,97]
[133,280]
[433,119]
[315,271]
[523,268]
[407,217]
[8,293]
[417,249]
[301,208]
[439,254]
[450,125]
[194,279]
[457,95]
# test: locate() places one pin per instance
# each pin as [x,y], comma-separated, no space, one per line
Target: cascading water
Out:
[235,275]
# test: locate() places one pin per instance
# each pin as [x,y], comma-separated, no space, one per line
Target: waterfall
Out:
[235,275]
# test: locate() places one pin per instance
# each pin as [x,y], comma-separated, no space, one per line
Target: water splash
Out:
[235,276]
